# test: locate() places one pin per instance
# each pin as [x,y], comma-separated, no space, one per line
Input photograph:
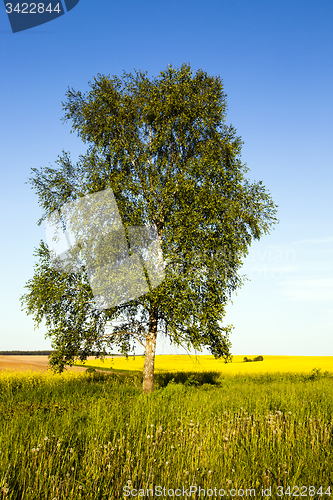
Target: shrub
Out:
[258,358]
[90,370]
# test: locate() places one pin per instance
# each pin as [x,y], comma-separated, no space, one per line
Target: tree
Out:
[163,147]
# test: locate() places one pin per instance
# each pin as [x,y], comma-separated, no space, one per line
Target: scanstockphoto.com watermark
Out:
[123,264]
[89,233]
[197,492]
[271,263]
[189,491]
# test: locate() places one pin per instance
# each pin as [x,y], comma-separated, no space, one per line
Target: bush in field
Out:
[90,370]
[258,358]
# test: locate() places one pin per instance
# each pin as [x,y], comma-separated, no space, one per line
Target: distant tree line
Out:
[25,353]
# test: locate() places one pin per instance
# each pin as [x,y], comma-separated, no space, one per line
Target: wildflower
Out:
[46,438]
[209,472]
[71,450]
[167,463]
[148,437]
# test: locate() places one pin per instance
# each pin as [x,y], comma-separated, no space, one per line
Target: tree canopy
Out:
[165,150]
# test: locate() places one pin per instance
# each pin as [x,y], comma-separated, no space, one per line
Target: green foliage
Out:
[163,147]
[91,370]
[316,374]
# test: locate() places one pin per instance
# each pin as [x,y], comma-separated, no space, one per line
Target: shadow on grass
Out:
[203,380]
[161,379]
[188,379]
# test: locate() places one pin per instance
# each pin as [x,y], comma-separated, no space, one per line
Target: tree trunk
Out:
[148,368]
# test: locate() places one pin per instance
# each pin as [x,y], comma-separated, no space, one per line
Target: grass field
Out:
[96,436]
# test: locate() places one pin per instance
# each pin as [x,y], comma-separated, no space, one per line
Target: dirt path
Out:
[33,363]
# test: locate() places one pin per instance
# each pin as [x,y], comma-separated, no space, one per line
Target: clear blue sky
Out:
[275,59]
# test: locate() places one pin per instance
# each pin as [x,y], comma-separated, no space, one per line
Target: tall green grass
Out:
[89,436]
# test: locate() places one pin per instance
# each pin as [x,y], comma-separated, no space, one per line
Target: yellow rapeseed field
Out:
[177,363]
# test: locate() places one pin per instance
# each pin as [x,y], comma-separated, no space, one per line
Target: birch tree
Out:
[163,146]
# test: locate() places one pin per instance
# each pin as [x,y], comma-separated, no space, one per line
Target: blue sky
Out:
[275,59]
